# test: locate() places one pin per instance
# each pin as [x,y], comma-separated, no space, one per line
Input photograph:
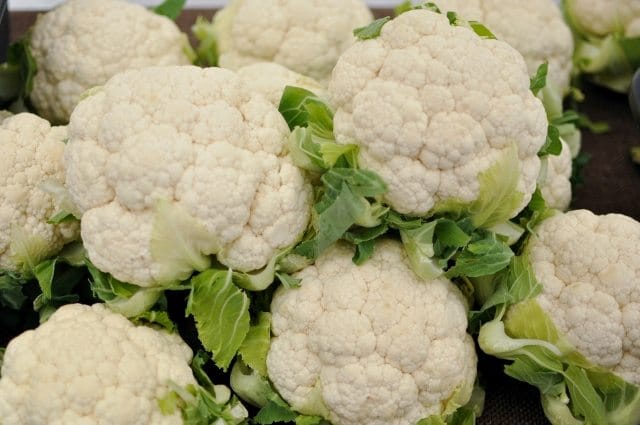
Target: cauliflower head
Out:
[604,17]
[436,110]
[589,267]
[87,365]
[171,165]
[556,186]
[304,36]
[535,28]
[83,43]
[31,153]
[270,79]
[370,344]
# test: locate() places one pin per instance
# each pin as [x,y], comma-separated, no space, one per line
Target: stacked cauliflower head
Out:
[31,154]
[83,43]
[433,106]
[87,365]
[170,165]
[589,267]
[370,344]
[304,36]
[604,17]
[535,28]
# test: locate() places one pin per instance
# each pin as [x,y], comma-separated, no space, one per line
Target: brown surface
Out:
[611,184]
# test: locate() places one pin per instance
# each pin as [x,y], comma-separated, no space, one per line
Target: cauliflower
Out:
[87,365]
[535,28]
[556,185]
[83,43]
[607,39]
[304,36]
[171,165]
[585,317]
[445,117]
[372,344]
[270,79]
[31,154]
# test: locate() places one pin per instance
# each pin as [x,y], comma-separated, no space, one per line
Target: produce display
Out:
[300,214]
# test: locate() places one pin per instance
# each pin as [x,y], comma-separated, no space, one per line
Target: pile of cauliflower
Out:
[338,205]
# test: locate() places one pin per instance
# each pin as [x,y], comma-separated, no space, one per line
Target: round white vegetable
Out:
[83,43]
[304,36]
[30,155]
[434,108]
[171,165]
[371,344]
[86,366]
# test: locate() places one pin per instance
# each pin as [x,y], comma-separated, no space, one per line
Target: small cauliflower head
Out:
[556,181]
[270,79]
[83,43]
[589,266]
[31,154]
[371,344]
[604,17]
[86,366]
[304,36]
[171,165]
[440,114]
[535,28]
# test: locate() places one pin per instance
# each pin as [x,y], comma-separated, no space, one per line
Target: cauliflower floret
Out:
[433,106]
[270,79]
[372,344]
[304,36]
[83,43]
[589,267]
[534,28]
[31,154]
[556,188]
[89,366]
[173,164]
[603,17]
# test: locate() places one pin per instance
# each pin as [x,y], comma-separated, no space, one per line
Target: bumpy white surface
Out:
[589,266]
[270,79]
[89,366]
[535,28]
[603,17]
[83,43]
[556,189]
[30,154]
[198,138]
[382,346]
[432,106]
[304,36]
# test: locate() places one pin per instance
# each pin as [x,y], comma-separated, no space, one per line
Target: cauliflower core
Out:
[83,43]
[604,17]
[30,154]
[589,267]
[199,141]
[86,366]
[432,106]
[270,79]
[556,188]
[534,28]
[372,344]
[304,36]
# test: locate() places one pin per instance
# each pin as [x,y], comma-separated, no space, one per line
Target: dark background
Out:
[611,185]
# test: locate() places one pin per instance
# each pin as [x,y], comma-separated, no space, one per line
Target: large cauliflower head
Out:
[433,106]
[556,185]
[83,43]
[304,36]
[86,366]
[589,267]
[31,154]
[535,28]
[372,344]
[271,79]
[604,17]
[170,165]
